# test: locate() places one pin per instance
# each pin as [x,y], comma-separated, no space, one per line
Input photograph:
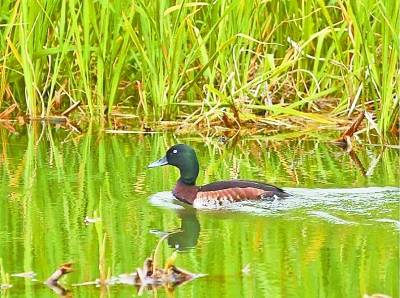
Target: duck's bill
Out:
[161,162]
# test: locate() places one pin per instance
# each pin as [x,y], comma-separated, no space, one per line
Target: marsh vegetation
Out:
[274,64]
[92,91]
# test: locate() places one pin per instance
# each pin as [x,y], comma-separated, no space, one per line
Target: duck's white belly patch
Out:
[208,203]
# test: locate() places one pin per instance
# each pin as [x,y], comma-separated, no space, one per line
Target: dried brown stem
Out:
[60,272]
[71,108]
[345,139]
[7,112]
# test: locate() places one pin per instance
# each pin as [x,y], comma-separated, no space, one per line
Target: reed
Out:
[4,277]
[171,59]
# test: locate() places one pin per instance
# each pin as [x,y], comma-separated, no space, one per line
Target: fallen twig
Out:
[7,112]
[60,272]
[50,119]
[71,108]
[29,275]
[5,286]
[345,139]
[150,276]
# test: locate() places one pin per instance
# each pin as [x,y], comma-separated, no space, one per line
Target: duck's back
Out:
[237,190]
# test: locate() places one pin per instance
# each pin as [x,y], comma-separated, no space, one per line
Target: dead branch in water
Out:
[71,108]
[151,276]
[7,112]
[52,281]
[60,272]
[345,139]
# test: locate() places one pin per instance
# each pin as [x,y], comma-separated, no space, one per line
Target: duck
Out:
[215,194]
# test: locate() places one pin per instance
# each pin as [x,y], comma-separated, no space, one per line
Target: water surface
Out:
[338,236]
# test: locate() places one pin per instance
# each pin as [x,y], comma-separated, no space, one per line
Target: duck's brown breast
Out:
[185,193]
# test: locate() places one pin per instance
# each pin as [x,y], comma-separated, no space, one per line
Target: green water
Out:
[337,237]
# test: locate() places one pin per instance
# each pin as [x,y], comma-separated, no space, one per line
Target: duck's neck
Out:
[189,172]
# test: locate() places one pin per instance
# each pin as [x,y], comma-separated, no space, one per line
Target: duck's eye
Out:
[174,151]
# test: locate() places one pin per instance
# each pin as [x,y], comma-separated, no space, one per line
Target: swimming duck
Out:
[214,194]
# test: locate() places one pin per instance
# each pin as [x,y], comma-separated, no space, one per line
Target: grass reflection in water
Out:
[51,182]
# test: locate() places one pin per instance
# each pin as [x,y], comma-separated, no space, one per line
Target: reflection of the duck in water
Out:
[187,235]
[60,290]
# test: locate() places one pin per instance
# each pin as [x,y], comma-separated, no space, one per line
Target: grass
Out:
[248,62]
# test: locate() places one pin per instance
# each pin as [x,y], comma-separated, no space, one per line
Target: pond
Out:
[338,236]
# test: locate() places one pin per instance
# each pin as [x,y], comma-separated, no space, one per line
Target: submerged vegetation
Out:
[274,63]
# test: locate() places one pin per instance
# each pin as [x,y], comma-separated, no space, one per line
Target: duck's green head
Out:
[184,158]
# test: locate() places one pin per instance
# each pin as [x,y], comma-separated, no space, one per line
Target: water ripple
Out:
[332,205]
